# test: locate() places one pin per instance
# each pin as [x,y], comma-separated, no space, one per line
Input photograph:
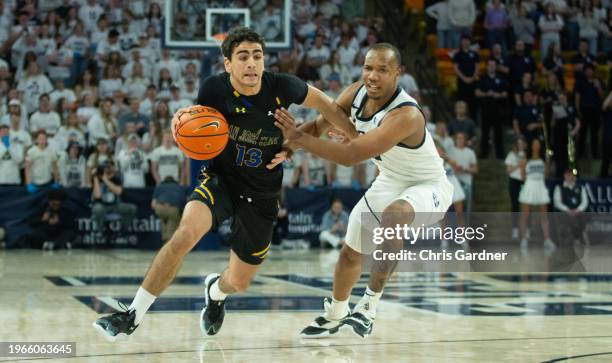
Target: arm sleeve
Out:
[291,88]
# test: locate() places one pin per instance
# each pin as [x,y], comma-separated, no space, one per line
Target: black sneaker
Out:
[361,325]
[117,326]
[362,318]
[211,317]
[323,326]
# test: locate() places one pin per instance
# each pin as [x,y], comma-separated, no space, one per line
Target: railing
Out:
[395,20]
[431,90]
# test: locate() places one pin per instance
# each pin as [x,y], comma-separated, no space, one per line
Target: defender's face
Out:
[247,64]
[380,73]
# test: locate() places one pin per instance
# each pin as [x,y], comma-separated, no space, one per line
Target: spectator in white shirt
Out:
[15,108]
[18,134]
[133,164]
[136,84]
[444,32]
[87,84]
[59,57]
[103,124]
[41,164]
[148,103]
[462,14]
[61,92]
[70,132]
[550,25]
[11,156]
[467,165]
[87,110]
[111,81]
[45,118]
[33,85]
[72,167]
[136,58]
[170,64]
[167,160]
[177,101]
[108,45]
[190,91]
[89,14]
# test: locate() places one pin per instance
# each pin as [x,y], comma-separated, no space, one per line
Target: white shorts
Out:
[430,201]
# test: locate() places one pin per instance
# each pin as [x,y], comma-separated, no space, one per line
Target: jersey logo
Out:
[436,201]
[270,113]
[240,109]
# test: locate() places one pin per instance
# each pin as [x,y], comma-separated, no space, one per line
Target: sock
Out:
[141,303]
[338,309]
[372,296]
[216,293]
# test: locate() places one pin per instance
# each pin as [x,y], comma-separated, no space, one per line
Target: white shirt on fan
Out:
[133,165]
[10,160]
[168,161]
[42,161]
[464,157]
[48,121]
[71,171]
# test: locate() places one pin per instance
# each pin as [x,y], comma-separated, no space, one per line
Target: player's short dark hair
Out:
[392,48]
[237,36]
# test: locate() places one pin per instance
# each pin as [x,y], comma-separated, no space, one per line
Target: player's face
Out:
[246,65]
[380,74]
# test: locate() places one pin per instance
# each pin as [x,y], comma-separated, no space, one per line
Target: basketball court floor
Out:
[424,317]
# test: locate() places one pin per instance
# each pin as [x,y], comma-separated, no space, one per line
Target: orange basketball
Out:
[201,132]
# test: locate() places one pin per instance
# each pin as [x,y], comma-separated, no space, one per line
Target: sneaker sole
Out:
[202,328]
[110,338]
[347,326]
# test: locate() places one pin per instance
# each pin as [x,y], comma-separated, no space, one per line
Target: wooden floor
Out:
[426,317]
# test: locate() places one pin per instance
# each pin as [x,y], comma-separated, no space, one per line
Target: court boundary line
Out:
[575,357]
[330,346]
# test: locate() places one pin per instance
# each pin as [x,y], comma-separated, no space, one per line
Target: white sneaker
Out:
[323,326]
[524,246]
[515,234]
[549,245]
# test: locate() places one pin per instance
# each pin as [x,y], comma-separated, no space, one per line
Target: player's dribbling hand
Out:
[286,122]
[175,120]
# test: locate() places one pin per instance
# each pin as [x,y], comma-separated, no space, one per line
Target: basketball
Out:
[201,132]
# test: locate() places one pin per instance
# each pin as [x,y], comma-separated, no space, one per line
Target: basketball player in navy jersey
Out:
[411,188]
[243,182]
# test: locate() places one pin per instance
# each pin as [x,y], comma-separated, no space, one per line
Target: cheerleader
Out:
[515,181]
[534,194]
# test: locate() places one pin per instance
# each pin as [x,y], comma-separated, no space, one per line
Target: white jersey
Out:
[405,164]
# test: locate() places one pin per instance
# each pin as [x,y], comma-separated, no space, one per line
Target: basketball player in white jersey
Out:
[411,189]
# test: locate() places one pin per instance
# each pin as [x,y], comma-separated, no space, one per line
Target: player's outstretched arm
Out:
[335,113]
[398,125]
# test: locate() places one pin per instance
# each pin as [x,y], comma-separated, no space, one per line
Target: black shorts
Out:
[253,222]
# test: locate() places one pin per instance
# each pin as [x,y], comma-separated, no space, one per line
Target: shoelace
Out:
[117,316]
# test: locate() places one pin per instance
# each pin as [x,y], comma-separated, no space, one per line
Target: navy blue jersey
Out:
[254,140]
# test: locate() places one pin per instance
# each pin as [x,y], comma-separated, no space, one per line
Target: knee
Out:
[238,284]
[183,240]
[397,213]
[349,256]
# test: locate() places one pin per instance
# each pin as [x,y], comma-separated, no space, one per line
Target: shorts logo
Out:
[240,109]
[436,201]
